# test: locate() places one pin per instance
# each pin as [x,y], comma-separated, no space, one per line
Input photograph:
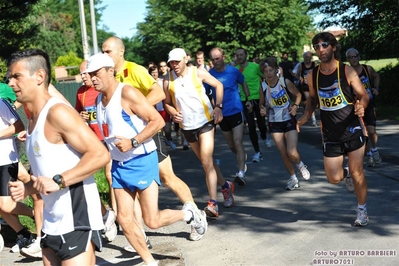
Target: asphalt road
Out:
[270,226]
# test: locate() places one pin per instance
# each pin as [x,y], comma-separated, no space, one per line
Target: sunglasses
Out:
[353,56]
[323,44]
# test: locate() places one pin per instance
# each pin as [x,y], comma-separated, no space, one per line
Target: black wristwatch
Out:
[58,179]
[220,105]
[135,143]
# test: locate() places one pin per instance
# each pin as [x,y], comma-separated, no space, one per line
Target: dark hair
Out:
[268,61]
[152,68]
[328,37]
[35,59]
[241,48]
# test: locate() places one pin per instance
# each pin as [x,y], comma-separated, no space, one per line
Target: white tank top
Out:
[48,159]
[277,101]
[121,124]
[189,96]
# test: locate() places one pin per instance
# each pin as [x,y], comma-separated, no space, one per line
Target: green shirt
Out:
[7,93]
[252,77]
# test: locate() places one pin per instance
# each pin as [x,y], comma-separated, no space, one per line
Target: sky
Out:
[121,16]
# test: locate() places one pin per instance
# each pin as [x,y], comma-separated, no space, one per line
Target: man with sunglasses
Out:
[333,85]
[371,82]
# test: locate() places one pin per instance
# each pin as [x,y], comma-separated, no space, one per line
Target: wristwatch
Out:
[59,180]
[220,105]
[135,143]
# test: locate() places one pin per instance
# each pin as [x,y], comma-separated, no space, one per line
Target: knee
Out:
[151,223]
[7,204]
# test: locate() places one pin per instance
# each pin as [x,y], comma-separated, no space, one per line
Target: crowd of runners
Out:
[122,122]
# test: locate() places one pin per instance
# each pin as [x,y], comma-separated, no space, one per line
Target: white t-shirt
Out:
[9,116]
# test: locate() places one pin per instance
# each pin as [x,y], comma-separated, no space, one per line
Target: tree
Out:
[262,27]
[373,26]
[15,27]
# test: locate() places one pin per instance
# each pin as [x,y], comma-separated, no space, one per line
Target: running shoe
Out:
[212,210]
[257,158]
[228,195]
[34,250]
[110,229]
[268,143]
[171,144]
[377,157]
[292,184]
[185,145]
[304,172]
[240,178]
[370,161]
[362,218]
[130,248]
[349,182]
[196,232]
[21,243]
[314,123]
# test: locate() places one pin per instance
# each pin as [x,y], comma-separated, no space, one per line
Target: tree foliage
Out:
[262,27]
[15,27]
[373,26]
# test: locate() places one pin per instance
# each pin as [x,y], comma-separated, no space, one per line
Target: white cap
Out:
[98,61]
[176,54]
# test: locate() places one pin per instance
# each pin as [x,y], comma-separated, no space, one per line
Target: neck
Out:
[272,81]
[329,67]
[221,68]
[245,64]
[119,65]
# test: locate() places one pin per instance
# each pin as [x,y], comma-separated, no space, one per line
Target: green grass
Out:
[378,64]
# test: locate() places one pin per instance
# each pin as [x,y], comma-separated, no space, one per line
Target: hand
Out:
[178,117]
[293,110]
[22,136]
[17,190]
[123,144]
[217,115]
[262,110]
[301,121]
[44,185]
[359,109]
[85,116]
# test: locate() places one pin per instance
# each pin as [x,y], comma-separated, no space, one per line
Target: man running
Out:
[333,86]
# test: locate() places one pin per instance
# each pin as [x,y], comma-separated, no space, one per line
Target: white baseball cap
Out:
[98,61]
[176,54]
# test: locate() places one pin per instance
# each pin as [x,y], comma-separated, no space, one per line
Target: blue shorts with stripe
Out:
[137,173]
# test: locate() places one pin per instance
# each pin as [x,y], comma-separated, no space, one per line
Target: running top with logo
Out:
[277,101]
[8,116]
[136,76]
[304,72]
[189,96]
[76,207]
[86,101]
[253,77]
[339,122]
[230,78]
[366,81]
[119,123]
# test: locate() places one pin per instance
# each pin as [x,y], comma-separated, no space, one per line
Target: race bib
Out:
[332,100]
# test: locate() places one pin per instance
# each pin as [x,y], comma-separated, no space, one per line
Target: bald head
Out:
[114,47]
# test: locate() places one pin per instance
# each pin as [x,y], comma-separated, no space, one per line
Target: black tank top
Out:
[339,122]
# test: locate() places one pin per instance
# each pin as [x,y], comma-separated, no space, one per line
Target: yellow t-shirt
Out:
[136,76]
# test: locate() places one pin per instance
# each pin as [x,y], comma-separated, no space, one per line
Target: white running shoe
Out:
[130,248]
[257,158]
[21,243]
[377,157]
[198,223]
[292,183]
[304,172]
[362,218]
[240,178]
[34,250]
[349,182]
[110,229]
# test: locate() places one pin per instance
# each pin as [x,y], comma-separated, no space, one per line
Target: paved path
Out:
[271,226]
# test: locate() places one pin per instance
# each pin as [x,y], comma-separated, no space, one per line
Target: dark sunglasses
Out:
[323,44]
[353,56]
